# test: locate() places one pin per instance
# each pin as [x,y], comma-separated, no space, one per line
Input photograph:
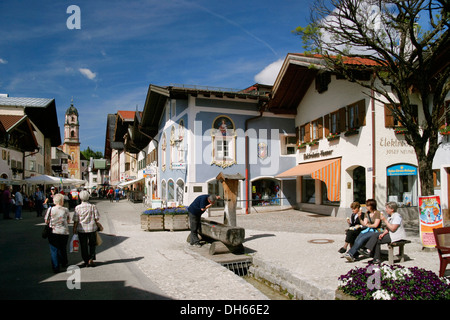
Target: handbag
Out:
[99,226]
[98,239]
[47,229]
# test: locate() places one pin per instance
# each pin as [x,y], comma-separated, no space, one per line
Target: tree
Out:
[88,153]
[409,43]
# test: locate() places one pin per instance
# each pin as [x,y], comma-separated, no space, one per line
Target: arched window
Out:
[223,135]
[163,152]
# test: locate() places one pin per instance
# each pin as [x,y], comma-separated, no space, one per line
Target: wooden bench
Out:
[401,250]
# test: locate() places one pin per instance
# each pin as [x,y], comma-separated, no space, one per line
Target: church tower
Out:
[72,141]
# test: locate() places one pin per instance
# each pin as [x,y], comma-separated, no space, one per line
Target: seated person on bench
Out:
[393,232]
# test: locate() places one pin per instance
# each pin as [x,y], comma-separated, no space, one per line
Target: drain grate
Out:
[239,268]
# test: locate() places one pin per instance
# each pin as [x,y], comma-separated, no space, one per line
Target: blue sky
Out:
[123,46]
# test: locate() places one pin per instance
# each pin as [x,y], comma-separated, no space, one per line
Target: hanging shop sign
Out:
[430,217]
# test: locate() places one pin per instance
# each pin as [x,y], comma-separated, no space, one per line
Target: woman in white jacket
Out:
[393,232]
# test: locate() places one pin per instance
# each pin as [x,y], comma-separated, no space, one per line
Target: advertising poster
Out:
[430,217]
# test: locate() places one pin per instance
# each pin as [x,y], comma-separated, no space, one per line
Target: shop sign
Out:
[402,170]
[178,165]
[317,154]
[430,217]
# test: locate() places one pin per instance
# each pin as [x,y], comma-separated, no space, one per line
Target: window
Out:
[32,165]
[356,114]
[289,145]
[308,190]
[164,190]
[223,137]
[317,129]
[390,121]
[402,184]
[171,189]
[180,147]
[163,152]
[304,133]
[173,149]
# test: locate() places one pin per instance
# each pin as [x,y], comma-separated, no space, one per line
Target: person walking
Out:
[39,201]
[117,194]
[85,221]
[19,204]
[7,202]
[49,200]
[58,218]
[196,209]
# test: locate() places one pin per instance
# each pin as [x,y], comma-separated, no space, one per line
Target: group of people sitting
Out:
[368,231]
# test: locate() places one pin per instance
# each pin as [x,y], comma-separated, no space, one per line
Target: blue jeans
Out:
[18,212]
[360,241]
[58,250]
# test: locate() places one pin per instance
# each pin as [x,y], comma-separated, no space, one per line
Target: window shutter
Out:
[326,124]
[320,127]
[362,112]
[307,133]
[388,116]
[342,119]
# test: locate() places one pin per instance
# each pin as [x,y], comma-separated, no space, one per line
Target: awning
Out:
[328,171]
[126,183]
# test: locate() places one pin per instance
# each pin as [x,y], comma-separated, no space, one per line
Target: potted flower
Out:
[302,145]
[333,136]
[392,282]
[401,130]
[445,131]
[351,131]
[313,143]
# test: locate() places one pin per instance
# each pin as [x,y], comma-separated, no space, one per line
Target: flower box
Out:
[351,132]
[158,219]
[153,222]
[176,218]
[445,131]
[174,222]
[333,136]
[401,131]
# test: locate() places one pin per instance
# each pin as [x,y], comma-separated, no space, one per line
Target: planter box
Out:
[176,222]
[152,222]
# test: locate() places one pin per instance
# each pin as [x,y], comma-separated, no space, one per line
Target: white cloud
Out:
[269,74]
[3,61]
[87,73]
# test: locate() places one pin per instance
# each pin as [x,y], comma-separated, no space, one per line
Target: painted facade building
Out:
[199,132]
[349,147]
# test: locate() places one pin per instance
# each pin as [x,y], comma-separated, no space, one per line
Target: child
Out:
[354,226]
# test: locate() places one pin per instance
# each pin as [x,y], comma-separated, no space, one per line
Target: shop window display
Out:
[266,192]
[402,185]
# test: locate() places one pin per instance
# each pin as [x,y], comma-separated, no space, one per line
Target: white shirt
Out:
[400,233]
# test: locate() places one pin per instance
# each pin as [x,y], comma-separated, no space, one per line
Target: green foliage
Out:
[88,153]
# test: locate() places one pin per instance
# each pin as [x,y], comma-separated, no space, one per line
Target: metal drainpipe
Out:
[247,160]
[372,93]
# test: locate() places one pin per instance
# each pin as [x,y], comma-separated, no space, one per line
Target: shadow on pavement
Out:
[26,269]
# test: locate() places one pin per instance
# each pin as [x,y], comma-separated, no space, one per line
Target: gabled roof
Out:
[296,76]
[20,132]
[42,112]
